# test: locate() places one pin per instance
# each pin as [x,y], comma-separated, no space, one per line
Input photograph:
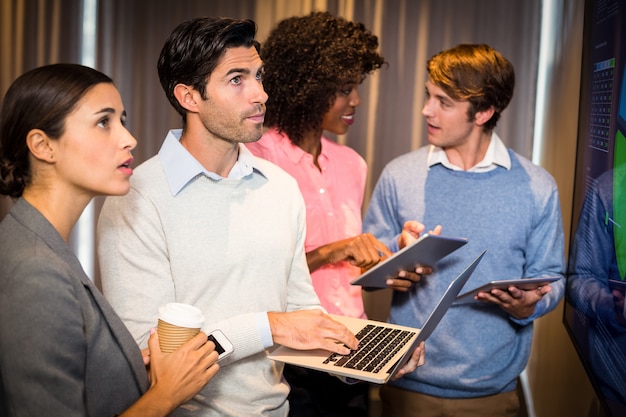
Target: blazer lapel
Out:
[121,333]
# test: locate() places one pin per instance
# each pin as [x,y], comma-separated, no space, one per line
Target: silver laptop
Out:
[384,348]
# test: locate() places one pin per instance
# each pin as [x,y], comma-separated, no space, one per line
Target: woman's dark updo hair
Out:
[39,99]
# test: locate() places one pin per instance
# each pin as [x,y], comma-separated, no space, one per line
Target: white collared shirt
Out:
[181,167]
[496,155]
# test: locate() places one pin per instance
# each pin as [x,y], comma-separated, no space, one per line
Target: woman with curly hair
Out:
[313,67]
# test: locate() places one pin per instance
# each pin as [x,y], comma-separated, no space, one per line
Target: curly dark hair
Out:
[307,59]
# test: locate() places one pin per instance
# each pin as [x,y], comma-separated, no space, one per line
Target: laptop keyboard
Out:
[377,346]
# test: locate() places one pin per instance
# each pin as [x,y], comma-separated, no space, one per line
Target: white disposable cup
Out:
[177,324]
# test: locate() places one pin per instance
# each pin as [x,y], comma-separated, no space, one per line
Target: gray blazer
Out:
[63,350]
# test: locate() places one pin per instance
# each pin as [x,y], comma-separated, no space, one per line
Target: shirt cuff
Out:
[263,325]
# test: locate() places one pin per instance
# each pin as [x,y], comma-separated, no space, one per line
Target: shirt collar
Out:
[497,155]
[181,167]
[294,152]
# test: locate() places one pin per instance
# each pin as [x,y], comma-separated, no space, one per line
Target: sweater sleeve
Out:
[381,217]
[545,253]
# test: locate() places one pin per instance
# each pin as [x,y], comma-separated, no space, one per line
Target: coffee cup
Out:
[177,324]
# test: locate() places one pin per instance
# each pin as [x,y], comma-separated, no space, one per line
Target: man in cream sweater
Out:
[208,224]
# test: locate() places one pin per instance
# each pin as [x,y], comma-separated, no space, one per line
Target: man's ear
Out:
[41,146]
[484,116]
[186,97]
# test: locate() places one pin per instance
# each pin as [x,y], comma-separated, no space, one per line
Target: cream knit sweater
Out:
[233,248]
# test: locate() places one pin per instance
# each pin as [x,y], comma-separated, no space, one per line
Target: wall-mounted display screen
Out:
[595,313]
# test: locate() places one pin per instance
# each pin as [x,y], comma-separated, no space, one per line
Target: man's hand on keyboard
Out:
[418,358]
[311,329]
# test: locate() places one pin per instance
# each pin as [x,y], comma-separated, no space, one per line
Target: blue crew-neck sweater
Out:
[515,215]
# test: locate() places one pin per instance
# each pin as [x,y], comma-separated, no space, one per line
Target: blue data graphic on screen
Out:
[602,100]
[595,314]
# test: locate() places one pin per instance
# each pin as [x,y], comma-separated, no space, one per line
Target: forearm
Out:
[324,255]
[363,250]
[152,404]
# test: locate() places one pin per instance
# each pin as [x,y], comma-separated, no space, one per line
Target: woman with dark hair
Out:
[63,350]
[313,67]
